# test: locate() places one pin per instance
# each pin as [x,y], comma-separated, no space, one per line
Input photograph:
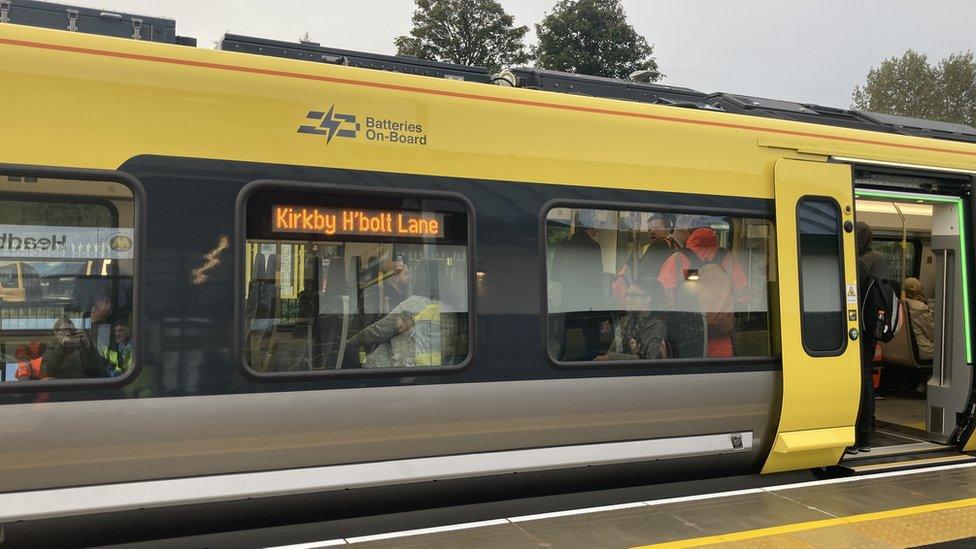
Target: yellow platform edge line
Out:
[813,525]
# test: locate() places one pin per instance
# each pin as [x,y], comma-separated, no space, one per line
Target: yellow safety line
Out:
[815,524]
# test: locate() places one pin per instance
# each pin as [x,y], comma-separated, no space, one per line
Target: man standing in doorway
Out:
[870,264]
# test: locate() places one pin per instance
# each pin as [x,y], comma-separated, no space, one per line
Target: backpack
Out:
[881,316]
[714,288]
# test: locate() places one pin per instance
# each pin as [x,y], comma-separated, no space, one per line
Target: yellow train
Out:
[262,275]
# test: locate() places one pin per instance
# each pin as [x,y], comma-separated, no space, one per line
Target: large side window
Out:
[635,286]
[67,253]
[821,276]
[340,281]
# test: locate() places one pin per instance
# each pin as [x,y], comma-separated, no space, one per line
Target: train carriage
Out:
[273,269]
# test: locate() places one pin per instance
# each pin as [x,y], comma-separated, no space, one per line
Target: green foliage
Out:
[592,37]
[468,32]
[958,86]
[557,234]
[911,86]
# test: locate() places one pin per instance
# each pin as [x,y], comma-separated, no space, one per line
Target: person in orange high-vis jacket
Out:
[29,361]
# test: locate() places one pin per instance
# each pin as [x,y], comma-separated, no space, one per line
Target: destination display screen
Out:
[356,221]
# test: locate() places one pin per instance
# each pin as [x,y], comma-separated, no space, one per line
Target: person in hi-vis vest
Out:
[119,354]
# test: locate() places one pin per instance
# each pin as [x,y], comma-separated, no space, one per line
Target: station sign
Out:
[53,242]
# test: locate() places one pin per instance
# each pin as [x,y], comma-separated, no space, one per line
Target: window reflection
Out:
[66,273]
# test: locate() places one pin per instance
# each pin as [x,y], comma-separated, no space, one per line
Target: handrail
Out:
[904,248]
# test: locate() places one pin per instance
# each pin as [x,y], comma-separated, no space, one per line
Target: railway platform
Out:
[894,509]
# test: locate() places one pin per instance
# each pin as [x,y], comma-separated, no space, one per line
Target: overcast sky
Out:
[802,50]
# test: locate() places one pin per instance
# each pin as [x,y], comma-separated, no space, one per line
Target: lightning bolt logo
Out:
[331,124]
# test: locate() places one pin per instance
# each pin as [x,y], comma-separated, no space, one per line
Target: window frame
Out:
[139,208]
[240,254]
[658,365]
[842,277]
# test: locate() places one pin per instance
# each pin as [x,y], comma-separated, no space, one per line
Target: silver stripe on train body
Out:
[160,493]
[56,445]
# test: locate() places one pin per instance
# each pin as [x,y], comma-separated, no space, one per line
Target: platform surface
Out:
[901,509]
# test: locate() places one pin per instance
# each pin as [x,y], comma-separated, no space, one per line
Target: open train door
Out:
[819,333]
[947,409]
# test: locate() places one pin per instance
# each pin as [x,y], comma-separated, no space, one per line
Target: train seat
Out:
[902,351]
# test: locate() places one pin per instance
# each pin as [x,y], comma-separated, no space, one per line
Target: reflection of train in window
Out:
[19,282]
[677,286]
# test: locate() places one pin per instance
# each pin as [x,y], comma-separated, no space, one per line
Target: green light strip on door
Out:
[914,199]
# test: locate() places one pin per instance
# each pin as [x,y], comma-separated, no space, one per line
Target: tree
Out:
[592,37]
[910,86]
[467,32]
[958,87]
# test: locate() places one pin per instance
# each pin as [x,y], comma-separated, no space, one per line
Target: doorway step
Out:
[903,456]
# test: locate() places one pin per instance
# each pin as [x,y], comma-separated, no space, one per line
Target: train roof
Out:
[123,25]
[612,88]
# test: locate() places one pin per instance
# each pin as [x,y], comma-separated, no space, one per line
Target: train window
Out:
[821,276]
[910,259]
[350,282]
[66,279]
[634,286]
[8,276]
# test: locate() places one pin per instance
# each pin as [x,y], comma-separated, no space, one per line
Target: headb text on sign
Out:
[355,221]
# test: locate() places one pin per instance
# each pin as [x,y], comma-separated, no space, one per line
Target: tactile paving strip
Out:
[896,531]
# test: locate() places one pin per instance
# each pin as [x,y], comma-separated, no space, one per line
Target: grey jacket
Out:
[395,336]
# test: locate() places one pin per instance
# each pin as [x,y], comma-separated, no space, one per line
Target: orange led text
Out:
[331,221]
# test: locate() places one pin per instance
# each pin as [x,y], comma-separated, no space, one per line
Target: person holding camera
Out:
[71,355]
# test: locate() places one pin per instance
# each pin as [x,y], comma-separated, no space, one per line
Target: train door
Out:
[925,374]
[818,315]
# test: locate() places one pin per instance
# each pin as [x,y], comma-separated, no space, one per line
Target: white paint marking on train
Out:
[604,508]
[571,512]
[434,530]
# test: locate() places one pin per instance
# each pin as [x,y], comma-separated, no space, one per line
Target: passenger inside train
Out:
[610,272]
[403,308]
[921,319]
[414,332]
[640,333]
